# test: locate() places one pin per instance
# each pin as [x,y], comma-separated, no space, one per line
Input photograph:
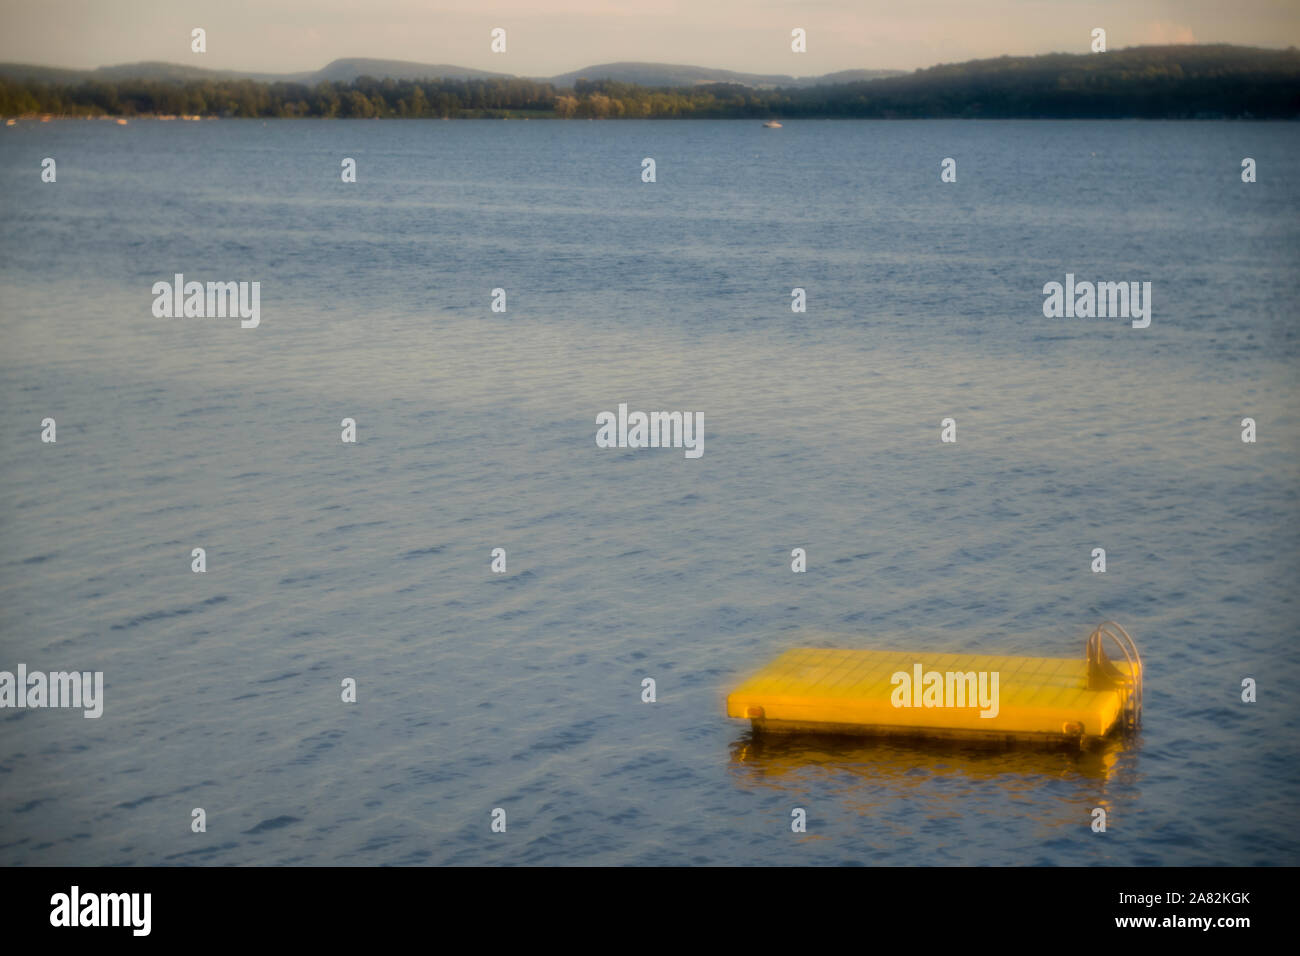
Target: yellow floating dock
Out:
[907,693]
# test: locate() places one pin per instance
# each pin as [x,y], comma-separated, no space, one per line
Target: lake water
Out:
[476,431]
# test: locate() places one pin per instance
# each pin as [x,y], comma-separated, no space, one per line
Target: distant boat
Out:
[771,124]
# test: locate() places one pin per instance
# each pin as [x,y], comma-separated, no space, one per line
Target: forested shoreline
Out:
[1141,82]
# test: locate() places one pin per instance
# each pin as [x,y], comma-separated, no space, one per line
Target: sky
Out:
[546,37]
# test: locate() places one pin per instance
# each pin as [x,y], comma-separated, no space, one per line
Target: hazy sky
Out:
[545,37]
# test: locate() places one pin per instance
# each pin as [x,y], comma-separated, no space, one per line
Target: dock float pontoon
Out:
[956,696]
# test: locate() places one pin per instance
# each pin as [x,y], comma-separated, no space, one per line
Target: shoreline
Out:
[123,119]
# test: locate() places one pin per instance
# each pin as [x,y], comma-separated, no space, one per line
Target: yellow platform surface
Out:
[819,689]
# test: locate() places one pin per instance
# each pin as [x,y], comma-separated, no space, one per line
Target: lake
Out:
[475,430]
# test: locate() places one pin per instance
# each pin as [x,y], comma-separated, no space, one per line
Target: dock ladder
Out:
[1102,673]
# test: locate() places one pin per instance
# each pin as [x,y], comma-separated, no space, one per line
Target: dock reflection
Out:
[766,759]
[898,802]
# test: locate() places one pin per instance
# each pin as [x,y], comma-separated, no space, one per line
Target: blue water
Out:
[476,431]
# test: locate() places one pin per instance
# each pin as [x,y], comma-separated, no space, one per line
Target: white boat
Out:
[771,124]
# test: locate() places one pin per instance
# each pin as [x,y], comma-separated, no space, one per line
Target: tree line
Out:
[1144,82]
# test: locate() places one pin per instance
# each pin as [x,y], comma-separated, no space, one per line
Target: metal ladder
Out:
[1103,674]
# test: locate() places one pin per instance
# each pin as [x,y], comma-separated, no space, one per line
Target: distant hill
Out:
[152,71]
[850,76]
[350,69]
[29,73]
[1174,81]
[346,71]
[1164,82]
[668,75]
[172,72]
